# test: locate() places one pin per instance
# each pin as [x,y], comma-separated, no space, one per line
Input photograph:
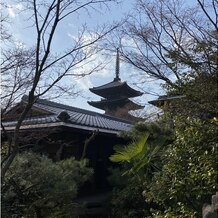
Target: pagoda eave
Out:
[116,88]
[103,104]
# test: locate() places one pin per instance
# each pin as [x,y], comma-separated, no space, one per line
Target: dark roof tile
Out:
[79,117]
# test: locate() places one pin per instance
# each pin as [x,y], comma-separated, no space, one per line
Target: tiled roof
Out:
[65,115]
[115,86]
[160,101]
[109,85]
[103,103]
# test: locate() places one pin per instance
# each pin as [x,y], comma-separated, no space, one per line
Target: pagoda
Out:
[116,96]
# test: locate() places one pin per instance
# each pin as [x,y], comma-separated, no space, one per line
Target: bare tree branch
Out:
[46,70]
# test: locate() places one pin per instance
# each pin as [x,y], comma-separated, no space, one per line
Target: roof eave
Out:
[62,124]
[160,101]
[134,92]
[101,91]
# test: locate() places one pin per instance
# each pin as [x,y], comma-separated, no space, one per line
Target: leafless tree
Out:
[40,70]
[166,39]
[5,35]
[17,73]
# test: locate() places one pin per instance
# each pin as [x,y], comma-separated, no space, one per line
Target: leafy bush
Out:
[185,177]
[37,186]
[188,177]
[127,200]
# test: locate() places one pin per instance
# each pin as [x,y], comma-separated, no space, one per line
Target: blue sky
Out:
[23,33]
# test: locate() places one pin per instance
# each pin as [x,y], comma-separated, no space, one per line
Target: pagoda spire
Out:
[117,71]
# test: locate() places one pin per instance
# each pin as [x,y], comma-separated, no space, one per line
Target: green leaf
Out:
[129,152]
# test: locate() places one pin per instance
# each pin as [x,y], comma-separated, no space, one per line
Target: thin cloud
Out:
[13,10]
[84,83]
[11,13]
[101,66]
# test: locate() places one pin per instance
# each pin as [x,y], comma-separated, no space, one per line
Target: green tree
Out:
[188,177]
[138,161]
[201,96]
[36,186]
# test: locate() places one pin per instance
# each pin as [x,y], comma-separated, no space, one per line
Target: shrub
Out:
[37,186]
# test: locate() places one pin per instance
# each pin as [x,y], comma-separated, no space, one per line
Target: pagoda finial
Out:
[117,66]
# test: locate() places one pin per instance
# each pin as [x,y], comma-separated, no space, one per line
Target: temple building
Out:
[165,101]
[61,131]
[116,96]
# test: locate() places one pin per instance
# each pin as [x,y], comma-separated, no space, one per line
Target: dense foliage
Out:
[127,200]
[188,177]
[184,180]
[201,96]
[36,186]
[138,161]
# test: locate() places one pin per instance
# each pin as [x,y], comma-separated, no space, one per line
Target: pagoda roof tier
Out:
[115,88]
[115,103]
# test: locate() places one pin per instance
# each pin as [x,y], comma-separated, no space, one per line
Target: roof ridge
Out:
[109,83]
